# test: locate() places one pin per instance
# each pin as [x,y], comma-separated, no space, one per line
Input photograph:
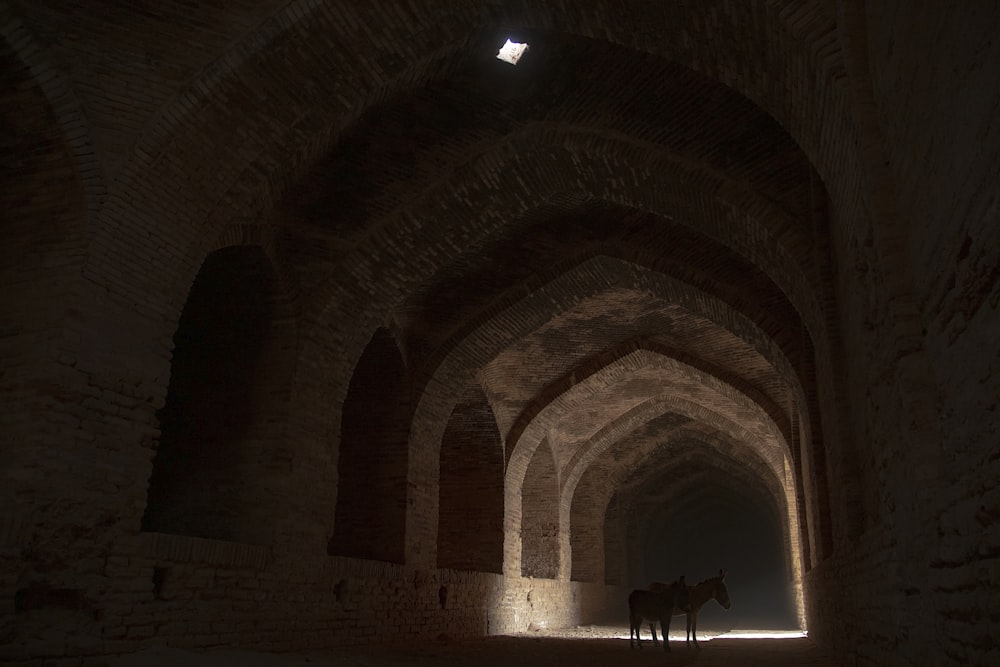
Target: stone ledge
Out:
[374,569]
[184,548]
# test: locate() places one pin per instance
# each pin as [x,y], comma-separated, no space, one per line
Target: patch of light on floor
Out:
[676,634]
[762,634]
[511,52]
[617,632]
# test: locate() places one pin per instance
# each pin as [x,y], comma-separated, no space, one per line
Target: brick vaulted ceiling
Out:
[619,240]
[583,309]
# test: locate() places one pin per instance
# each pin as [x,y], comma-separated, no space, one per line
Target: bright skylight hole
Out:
[511,52]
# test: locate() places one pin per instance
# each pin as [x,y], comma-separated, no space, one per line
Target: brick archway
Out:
[228,377]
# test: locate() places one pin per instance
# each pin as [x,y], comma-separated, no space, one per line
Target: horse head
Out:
[721,593]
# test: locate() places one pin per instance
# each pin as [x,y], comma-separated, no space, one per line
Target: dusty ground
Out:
[584,646]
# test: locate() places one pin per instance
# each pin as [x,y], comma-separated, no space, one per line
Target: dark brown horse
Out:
[699,594]
[656,606]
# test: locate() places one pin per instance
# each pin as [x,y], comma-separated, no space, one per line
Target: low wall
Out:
[185,592]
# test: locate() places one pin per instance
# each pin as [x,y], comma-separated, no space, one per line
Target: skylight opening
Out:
[511,52]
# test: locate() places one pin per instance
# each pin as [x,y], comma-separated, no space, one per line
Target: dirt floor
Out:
[584,646]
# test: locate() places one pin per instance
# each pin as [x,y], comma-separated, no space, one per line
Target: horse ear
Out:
[722,574]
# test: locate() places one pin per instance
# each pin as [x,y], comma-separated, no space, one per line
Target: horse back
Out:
[652,605]
[693,596]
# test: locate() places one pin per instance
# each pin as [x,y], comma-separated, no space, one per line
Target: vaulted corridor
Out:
[323,328]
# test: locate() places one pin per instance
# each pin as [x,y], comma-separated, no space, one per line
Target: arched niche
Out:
[540,516]
[470,523]
[370,518]
[213,468]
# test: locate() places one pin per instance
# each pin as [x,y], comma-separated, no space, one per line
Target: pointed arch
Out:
[207,476]
[370,518]
[470,524]
[540,516]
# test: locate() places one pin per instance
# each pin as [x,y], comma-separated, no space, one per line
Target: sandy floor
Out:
[584,646]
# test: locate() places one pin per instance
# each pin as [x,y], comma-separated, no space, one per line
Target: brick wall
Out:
[201,593]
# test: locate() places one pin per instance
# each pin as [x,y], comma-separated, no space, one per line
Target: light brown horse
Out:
[656,606]
[699,594]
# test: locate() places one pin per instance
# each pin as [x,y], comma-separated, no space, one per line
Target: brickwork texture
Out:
[320,325]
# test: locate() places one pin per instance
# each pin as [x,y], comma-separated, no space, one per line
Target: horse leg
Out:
[634,625]
[694,629]
[652,631]
[665,631]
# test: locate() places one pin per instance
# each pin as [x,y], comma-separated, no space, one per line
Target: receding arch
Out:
[613,355]
[765,445]
[600,521]
[678,383]
[673,472]
[771,450]
[470,524]
[728,412]
[593,276]
[370,520]
[643,441]
[720,313]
